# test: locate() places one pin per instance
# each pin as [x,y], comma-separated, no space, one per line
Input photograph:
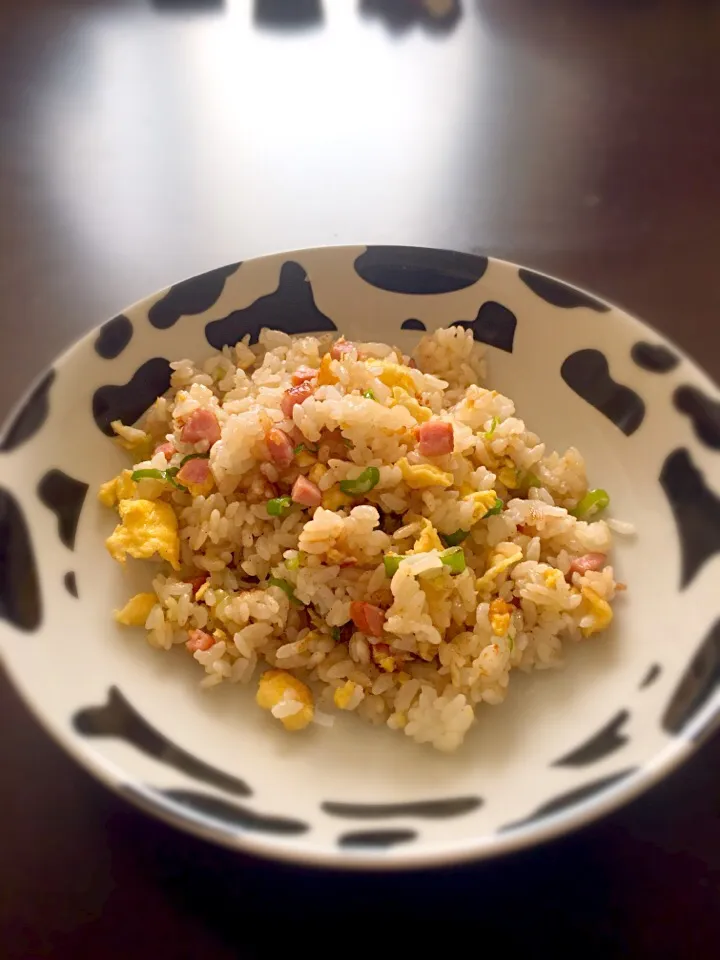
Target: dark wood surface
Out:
[141,142]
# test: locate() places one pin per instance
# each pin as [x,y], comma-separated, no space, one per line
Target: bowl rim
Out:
[631,783]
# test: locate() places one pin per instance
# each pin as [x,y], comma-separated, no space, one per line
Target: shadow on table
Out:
[605,891]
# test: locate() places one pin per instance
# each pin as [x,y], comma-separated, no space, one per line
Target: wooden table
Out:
[144,141]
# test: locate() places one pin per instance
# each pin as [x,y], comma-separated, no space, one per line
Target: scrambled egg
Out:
[344,694]
[499,562]
[335,499]
[428,539]
[551,578]
[200,489]
[601,610]
[508,476]
[394,375]
[121,487]
[402,398]
[499,615]
[136,610]
[482,501]
[325,375]
[146,527]
[421,475]
[317,472]
[139,443]
[275,686]
[304,459]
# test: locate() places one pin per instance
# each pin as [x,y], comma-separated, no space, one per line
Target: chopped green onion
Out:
[369,395]
[496,508]
[167,475]
[194,456]
[391,562]
[335,634]
[368,479]
[292,563]
[594,502]
[285,587]
[279,506]
[304,446]
[533,480]
[348,443]
[170,475]
[148,475]
[493,426]
[453,539]
[454,558]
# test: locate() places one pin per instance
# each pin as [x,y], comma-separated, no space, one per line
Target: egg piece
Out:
[428,539]
[402,398]
[121,487]
[325,375]
[394,375]
[146,528]
[335,499]
[420,475]
[136,610]
[482,501]
[499,562]
[601,612]
[348,696]
[499,616]
[288,699]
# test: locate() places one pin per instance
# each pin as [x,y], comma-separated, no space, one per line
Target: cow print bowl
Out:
[564,748]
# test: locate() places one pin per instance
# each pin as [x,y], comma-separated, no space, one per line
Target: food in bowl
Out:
[379,530]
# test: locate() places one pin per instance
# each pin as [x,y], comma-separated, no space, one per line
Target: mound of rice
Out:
[381,531]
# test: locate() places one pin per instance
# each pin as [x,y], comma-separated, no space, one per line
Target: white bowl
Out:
[564,748]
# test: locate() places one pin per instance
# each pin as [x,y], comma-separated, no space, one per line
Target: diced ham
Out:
[167,449]
[280,447]
[340,348]
[199,640]
[412,364]
[296,395]
[435,438]
[367,618]
[197,582]
[302,374]
[196,470]
[306,492]
[201,425]
[591,561]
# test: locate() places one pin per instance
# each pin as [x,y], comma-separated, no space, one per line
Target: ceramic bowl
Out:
[564,748]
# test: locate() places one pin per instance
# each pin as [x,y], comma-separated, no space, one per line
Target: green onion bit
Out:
[368,479]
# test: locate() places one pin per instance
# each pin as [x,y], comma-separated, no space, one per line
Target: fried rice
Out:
[348,528]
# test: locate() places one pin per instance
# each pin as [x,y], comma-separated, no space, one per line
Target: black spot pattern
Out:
[570,799]
[65,497]
[231,814]
[412,324]
[31,415]
[401,15]
[114,336]
[431,809]
[696,510]
[559,294]
[587,373]
[651,676]
[417,270]
[70,583]
[494,325]
[655,357]
[606,741]
[290,308]
[190,297]
[703,412]
[697,685]
[20,601]
[128,401]
[376,838]
[117,718]
[209,811]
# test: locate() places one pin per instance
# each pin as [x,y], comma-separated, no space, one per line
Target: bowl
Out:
[564,748]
